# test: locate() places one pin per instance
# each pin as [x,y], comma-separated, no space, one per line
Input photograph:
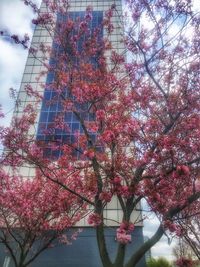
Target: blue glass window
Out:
[51,104]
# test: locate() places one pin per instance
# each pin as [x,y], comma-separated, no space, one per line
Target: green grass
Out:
[160,262]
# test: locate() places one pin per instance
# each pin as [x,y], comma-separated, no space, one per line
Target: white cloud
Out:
[163,249]
[12,62]
[196,5]
[15,19]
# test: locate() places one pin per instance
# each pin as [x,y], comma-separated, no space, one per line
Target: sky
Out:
[15,17]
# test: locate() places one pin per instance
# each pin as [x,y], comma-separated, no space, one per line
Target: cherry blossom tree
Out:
[33,216]
[190,227]
[189,242]
[140,119]
[182,249]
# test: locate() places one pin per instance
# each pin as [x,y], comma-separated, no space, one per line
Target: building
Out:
[83,252]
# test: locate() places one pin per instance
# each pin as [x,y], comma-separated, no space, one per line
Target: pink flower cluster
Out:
[172,227]
[106,196]
[183,170]
[89,153]
[23,42]
[120,189]
[117,180]
[123,233]
[100,114]
[125,191]
[43,19]
[94,219]
[108,136]
[184,262]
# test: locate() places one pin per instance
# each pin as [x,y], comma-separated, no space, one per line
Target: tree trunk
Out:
[119,260]
[145,247]
[102,247]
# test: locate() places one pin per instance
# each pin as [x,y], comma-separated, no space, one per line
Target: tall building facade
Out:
[83,252]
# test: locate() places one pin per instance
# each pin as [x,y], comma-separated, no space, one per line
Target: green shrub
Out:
[160,262]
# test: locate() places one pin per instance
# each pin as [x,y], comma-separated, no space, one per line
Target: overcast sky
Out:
[15,17]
